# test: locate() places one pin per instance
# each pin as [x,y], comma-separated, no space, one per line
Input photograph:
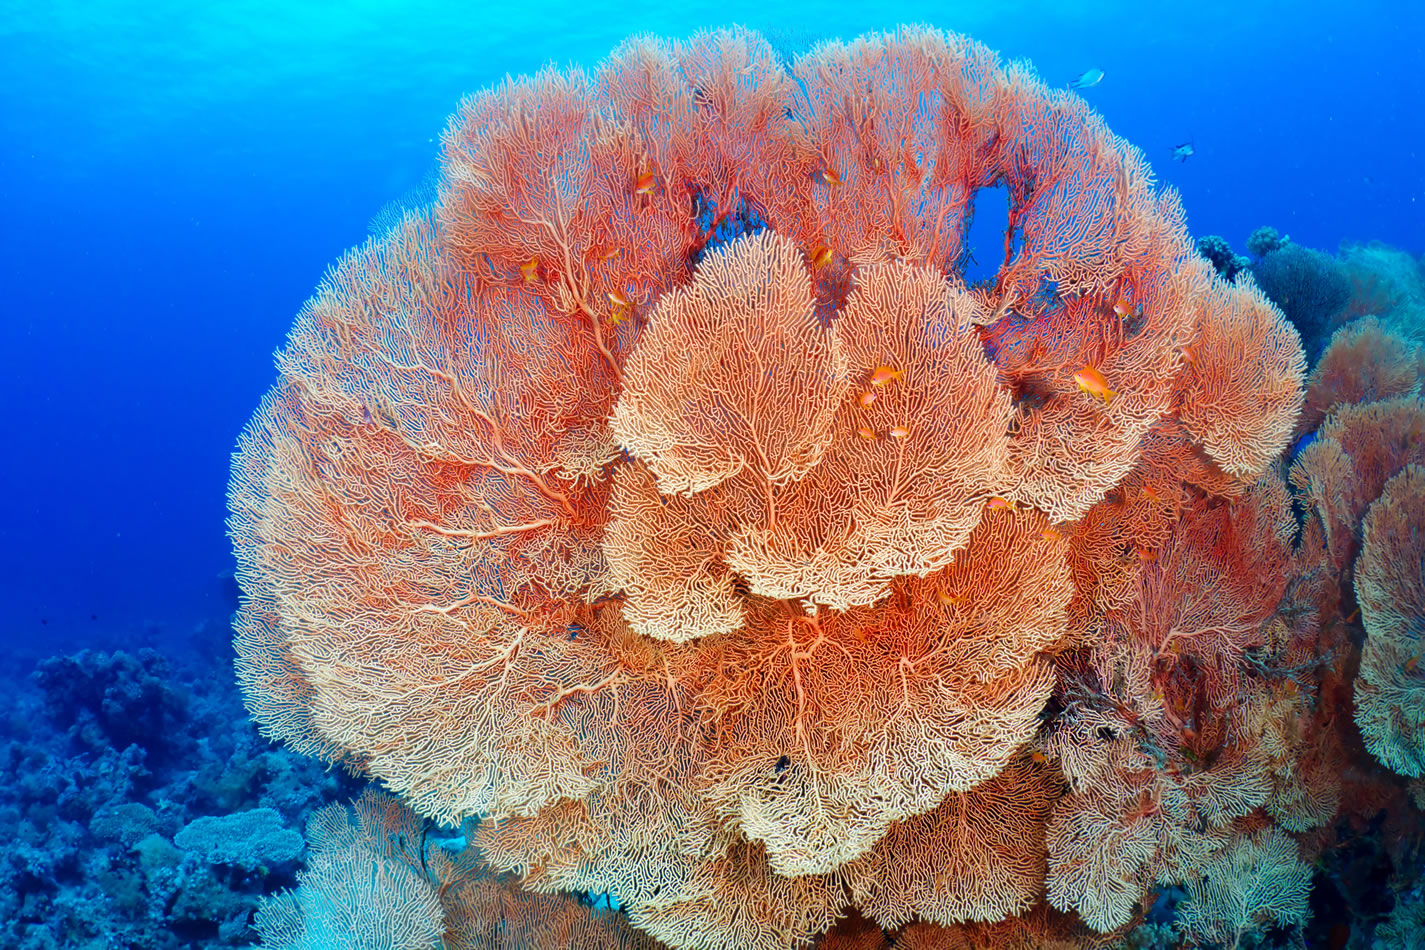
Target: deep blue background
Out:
[175,181]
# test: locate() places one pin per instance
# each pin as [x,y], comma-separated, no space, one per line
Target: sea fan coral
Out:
[1365,362]
[374,879]
[667,497]
[1390,693]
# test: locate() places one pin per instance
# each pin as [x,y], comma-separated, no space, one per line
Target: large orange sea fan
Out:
[665,496]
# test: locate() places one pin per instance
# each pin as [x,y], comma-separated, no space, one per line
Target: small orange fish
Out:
[1000,504]
[822,257]
[884,374]
[1152,495]
[866,398]
[868,434]
[1052,534]
[618,299]
[529,270]
[948,599]
[1092,382]
[1122,308]
[610,255]
[1190,354]
[644,185]
[1144,554]
[1354,614]
[1040,758]
[826,176]
[899,432]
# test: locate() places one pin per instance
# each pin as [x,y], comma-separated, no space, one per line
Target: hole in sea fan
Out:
[722,226]
[986,219]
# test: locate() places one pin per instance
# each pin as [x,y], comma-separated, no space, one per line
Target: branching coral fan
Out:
[665,496]
[1362,482]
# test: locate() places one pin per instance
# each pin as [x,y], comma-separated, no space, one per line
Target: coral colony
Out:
[663,504]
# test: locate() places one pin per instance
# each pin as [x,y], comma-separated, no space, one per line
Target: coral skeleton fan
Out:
[664,495]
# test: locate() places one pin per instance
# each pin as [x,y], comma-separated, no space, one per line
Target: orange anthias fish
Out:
[529,270]
[822,257]
[621,306]
[1000,504]
[1052,534]
[826,176]
[644,185]
[884,374]
[1092,382]
[1190,354]
[948,599]
[867,433]
[866,398]
[1152,495]
[899,432]
[1122,308]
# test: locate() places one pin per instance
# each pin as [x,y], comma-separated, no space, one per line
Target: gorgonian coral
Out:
[1390,583]
[666,496]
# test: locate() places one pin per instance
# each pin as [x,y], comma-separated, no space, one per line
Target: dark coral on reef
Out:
[114,699]
[142,808]
[1310,287]
[1227,262]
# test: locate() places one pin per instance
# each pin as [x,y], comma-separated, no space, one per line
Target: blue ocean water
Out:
[177,177]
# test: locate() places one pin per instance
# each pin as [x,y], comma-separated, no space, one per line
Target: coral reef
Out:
[1390,587]
[663,504]
[112,700]
[1357,486]
[118,768]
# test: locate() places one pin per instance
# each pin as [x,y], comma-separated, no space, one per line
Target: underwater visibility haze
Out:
[730,476]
